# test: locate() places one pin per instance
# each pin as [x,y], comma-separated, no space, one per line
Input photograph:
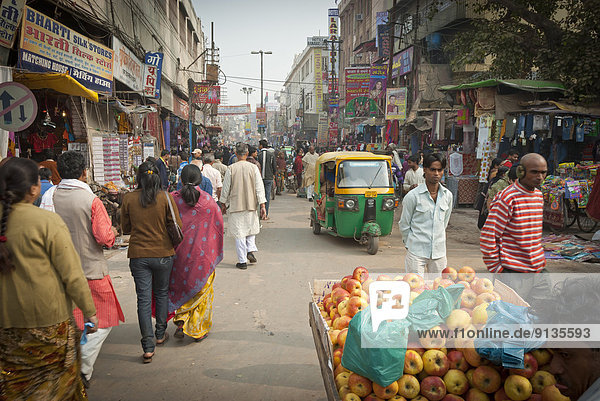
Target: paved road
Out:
[260,346]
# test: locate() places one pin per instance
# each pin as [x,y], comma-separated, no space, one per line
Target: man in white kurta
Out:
[309,161]
[243,193]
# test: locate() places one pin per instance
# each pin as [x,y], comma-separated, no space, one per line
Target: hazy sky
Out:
[242,26]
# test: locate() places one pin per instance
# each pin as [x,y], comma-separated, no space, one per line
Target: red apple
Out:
[336,285]
[360,385]
[341,322]
[435,363]
[458,319]
[453,397]
[339,369]
[482,285]
[450,273]
[500,395]
[456,382]
[373,396]
[351,397]
[352,285]
[344,280]
[531,366]
[476,395]
[485,297]
[472,357]
[414,280]
[385,392]
[434,388]
[342,379]
[337,293]
[457,360]
[466,273]
[487,379]
[333,336]
[341,338]
[356,304]
[468,298]
[337,356]
[361,274]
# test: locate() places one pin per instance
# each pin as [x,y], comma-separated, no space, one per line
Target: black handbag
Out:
[175,232]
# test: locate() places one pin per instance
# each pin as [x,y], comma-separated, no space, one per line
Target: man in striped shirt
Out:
[511,239]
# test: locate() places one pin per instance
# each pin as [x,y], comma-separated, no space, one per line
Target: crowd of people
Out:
[174,218]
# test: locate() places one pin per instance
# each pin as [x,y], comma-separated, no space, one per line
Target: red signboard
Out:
[181,108]
[205,93]
[357,82]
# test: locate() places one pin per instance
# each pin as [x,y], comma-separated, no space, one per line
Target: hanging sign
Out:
[152,73]
[47,45]
[18,107]
[395,106]
[10,16]
[206,93]
[128,68]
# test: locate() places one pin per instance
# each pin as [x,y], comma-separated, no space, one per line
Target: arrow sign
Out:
[5,97]
[13,95]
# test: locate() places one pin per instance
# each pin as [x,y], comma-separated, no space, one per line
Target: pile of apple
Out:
[433,372]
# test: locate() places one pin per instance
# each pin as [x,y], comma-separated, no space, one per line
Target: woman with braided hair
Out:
[145,214]
[191,287]
[40,273]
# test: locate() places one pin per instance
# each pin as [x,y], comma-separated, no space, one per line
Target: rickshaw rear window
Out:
[362,173]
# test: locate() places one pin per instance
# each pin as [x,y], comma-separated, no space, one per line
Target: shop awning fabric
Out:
[62,83]
[522,84]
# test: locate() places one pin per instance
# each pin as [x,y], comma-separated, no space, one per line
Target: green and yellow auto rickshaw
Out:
[354,197]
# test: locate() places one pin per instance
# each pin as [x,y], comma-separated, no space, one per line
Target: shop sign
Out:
[316,41]
[47,45]
[357,82]
[322,129]
[233,110]
[261,116]
[377,82]
[361,107]
[395,104]
[181,108]
[318,80]
[333,23]
[206,93]
[402,63]
[152,73]
[19,107]
[128,68]
[10,15]
[383,40]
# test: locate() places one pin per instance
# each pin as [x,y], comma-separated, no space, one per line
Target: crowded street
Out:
[339,200]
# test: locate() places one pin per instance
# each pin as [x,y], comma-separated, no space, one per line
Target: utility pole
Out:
[302,107]
[262,99]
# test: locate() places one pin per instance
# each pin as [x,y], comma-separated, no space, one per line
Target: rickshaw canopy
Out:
[340,156]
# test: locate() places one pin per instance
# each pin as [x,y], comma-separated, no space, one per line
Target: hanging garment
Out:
[567,125]
[456,163]
[528,125]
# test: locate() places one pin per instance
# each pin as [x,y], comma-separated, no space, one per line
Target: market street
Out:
[260,346]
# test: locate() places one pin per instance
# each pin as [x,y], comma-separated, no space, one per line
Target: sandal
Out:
[163,340]
[178,332]
[147,357]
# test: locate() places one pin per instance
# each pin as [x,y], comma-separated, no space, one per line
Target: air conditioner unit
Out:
[359,17]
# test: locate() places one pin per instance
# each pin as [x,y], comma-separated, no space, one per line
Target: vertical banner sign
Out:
[333,24]
[377,82]
[334,111]
[261,117]
[357,82]
[10,15]
[47,45]
[128,68]
[152,72]
[318,80]
[383,37]
[395,106]
[322,129]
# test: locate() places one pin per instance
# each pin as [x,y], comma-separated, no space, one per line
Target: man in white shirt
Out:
[425,215]
[414,176]
[212,174]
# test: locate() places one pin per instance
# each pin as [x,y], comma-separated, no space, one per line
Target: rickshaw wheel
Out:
[372,245]
[316,227]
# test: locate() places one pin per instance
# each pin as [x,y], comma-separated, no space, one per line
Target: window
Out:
[182,25]
[190,41]
[363,173]
[196,42]
[173,13]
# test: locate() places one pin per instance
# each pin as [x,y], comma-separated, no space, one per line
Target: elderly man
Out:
[425,215]
[309,162]
[511,239]
[212,174]
[90,228]
[243,192]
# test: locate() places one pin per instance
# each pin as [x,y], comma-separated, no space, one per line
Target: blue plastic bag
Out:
[431,308]
[383,364]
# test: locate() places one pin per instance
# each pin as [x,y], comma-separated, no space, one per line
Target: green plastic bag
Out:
[378,356]
[431,308]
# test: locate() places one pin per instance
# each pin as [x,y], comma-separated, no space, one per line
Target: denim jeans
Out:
[151,276]
[268,188]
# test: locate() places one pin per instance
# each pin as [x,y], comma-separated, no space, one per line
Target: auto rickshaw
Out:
[354,197]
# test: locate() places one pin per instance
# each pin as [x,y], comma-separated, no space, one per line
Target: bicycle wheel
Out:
[570,211]
[584,223]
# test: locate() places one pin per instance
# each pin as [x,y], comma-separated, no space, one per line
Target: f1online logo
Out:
[388,301]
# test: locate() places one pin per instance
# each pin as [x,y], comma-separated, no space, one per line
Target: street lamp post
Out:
[247,91]
[262,99]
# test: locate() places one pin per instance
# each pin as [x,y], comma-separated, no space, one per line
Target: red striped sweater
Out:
[512,235]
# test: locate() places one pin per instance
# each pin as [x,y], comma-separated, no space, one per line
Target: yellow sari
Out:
[196,314]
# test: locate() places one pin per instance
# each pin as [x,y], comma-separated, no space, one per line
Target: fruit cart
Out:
[328,349]
[566,196]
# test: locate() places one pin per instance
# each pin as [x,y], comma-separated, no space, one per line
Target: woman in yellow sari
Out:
[191,284]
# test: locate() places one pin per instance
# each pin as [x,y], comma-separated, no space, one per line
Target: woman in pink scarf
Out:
[191,287]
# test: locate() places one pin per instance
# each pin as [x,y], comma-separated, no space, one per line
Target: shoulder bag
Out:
[175,232]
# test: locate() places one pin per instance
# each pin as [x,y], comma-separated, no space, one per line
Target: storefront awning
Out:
[522,84]
[367,46]
[62,83]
